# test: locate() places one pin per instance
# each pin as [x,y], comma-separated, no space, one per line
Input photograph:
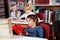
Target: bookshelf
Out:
[47,4]
[2,9]
[50,5]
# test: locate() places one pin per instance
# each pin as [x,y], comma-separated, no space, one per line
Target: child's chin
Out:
[29,25]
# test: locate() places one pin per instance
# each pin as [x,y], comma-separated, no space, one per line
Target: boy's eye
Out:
[29,20]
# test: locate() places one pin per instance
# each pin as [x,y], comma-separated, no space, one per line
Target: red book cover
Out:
[42,1]
[40,15]
[46,2]
[51,17]
[36,1]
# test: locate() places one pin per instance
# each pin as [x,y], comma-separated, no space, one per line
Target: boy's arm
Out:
[40,32]
[26,33]
[21,20]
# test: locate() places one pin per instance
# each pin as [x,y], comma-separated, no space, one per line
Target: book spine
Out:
[45,16]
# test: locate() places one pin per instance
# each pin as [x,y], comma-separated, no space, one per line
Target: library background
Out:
[47,10]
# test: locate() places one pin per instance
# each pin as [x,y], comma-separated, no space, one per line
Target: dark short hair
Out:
[33,17]
[12,5]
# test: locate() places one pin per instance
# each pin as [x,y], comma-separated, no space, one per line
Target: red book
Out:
[46,2]
[36,1]
[40,15]
[18,29]
[42,1]
[51,17]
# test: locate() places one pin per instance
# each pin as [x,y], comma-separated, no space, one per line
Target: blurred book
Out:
[52,2]
[58,2]
[57,14]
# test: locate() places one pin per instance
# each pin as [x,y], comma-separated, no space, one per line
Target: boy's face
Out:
[14,8]
[30,22]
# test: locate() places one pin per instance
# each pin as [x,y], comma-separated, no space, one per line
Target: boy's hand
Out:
[26,33]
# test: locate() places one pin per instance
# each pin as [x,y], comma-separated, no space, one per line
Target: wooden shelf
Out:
[50,7]
[1,6]
[45,5]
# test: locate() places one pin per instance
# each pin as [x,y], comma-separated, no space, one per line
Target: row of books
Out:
[49,15]
[50,2]
[45,15]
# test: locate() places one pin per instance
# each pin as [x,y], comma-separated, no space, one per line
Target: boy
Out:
[33,30]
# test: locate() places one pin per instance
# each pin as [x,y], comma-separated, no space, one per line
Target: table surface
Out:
[20,22]
[17,37]
[24,22]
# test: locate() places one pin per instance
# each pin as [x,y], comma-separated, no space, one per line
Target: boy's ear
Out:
[34,21]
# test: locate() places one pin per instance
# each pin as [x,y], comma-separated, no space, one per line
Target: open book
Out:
[5,28]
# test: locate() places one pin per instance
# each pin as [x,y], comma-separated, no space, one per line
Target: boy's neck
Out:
[33,26]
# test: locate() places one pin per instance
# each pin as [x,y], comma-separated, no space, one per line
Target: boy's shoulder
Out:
[38,27]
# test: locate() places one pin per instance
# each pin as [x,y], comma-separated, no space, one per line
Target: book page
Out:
[5,28]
